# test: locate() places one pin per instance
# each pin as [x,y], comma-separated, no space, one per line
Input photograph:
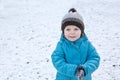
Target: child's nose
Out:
[72,31]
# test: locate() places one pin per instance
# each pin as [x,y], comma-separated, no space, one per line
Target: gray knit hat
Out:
[72,18]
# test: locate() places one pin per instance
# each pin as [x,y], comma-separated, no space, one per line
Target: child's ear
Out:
[82,34]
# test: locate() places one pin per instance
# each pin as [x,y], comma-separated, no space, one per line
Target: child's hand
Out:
[80,73]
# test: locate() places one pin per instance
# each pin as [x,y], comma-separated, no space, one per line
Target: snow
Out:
[30,29]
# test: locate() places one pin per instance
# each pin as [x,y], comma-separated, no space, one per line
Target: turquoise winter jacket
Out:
[68,55]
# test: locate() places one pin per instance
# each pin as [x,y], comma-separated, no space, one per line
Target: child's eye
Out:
[67,29]
[76,29]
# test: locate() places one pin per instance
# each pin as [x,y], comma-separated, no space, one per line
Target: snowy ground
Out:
[29,30]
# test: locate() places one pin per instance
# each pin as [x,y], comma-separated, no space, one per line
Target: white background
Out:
[30,29]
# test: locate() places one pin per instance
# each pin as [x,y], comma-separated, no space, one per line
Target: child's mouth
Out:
[72,36]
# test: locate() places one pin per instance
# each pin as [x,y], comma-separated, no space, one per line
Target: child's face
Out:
[72,32]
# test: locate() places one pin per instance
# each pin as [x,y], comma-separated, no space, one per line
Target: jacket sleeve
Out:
[93,60]
[59,62]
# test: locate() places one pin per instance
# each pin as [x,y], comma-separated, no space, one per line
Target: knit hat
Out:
[72,18]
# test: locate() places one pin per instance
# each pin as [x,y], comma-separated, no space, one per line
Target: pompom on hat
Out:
[72,18]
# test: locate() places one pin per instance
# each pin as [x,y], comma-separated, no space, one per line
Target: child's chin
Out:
[72,40]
